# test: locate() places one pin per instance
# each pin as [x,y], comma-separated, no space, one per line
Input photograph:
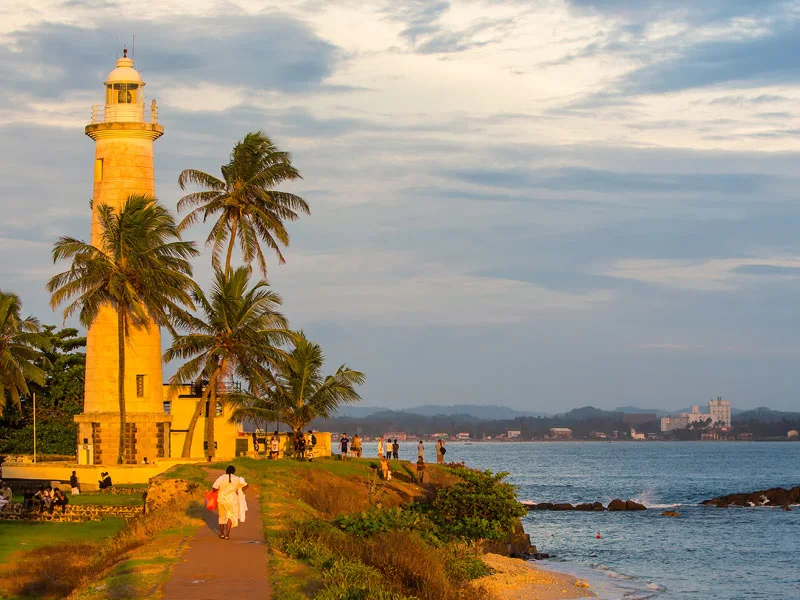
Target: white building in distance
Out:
[719,413]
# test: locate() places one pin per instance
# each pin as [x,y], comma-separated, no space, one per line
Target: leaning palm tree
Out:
[20,345]
[299,392]
[247,208]
[238,335]
[140,270]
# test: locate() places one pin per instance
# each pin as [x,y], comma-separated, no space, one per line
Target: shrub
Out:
[376,521]
[481,506]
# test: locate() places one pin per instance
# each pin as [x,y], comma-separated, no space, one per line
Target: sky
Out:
[542,204]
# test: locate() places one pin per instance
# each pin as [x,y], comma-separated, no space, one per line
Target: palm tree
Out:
[238,335]
[246,207]
[20,344]
[298,393]
[140,269]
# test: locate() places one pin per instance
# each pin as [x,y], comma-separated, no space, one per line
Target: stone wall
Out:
[73,514]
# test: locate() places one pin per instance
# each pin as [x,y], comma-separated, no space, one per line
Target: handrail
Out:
[110,113]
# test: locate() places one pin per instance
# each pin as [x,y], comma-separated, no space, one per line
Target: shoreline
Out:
[519,579]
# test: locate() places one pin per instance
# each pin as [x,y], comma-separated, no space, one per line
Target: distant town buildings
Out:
[719,415]
[463,435]
[512,435]
[793,434]
[560,433]
[635,435]
[400,436]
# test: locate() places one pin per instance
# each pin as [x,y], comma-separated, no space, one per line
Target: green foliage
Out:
[351,580]
[464,564]
[247,208]
[299,392]
[482,506]
[376,521]
[20,350]
[58,398]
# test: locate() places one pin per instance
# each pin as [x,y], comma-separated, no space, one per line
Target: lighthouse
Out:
[123,129]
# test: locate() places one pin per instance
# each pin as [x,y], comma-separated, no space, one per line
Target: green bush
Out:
[481,506]
[376,521]
[350,580]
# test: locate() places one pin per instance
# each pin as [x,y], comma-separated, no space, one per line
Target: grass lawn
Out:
[27,535]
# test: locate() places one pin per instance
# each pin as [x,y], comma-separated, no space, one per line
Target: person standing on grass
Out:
[387,447]
[229,504]
[274,446]
[27,500]
[421,451]
[380,446]
[343,443]
[440,450]
[395,450]
[420,470]
[75,488]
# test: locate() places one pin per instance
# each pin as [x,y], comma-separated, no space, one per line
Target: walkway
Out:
[213,569]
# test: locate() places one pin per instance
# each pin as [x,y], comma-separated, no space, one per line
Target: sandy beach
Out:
[515,579]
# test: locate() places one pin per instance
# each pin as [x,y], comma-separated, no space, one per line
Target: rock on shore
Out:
[771,497]
[614,506]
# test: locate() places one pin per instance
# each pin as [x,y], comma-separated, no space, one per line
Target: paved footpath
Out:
[213,569]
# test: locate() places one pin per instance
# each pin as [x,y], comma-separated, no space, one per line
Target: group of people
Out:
[43,499]
[303,445]
[350,447]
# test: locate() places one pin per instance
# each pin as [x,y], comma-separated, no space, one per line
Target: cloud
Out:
[581,178]
[711,275]
[271,51]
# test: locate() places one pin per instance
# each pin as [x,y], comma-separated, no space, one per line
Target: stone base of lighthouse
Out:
[146,435]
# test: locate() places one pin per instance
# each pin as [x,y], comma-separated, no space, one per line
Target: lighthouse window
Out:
[98,169]
[140,386]
[121,93]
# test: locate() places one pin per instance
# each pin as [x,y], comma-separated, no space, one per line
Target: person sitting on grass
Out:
[27,500]
[387,474]
[45,497]
[5,495]
[59,499]
[420,470]
[105,481]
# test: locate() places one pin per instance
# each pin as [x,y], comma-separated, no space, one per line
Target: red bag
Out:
[211,500]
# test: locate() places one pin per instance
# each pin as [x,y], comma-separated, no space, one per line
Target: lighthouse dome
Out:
[124,72]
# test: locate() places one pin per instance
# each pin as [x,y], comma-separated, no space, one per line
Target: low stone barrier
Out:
[73,513]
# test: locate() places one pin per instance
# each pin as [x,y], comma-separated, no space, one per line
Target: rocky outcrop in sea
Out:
[771,497]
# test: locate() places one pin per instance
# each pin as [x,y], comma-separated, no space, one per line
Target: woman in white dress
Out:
[230,501]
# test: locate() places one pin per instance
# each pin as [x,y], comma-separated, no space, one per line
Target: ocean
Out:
[707,553]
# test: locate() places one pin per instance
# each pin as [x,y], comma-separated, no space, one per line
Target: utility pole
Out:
[34,427]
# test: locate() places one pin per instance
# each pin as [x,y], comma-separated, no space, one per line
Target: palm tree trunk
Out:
[230,246]
[186,452]
[212,413]
[121,385]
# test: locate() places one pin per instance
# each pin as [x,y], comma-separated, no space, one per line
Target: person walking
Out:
[229,505]
[356,446]
[395,450]
[421,451]
[343,443]
[75,488]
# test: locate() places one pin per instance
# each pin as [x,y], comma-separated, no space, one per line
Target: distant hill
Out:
[476,411]
[637,410]
[589,412]
[765,415]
